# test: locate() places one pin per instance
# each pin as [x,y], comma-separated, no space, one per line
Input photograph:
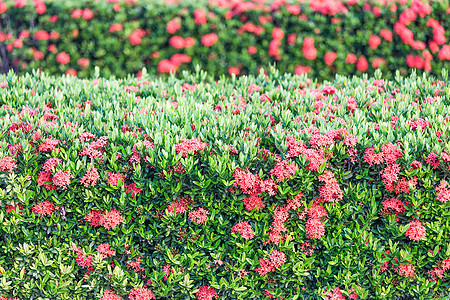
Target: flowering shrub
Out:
[254,187]
[322,38]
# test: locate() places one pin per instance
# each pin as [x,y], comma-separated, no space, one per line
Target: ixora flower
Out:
[141,294]
[206,293]
[108,295]
[190,145]
[416,231]
[244,229]
[109,220]
[44,208]
[199,216]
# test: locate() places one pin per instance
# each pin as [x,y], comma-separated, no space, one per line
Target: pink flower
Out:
[315,228]
[386,34]
[206,293]
[443,192]
[416,231]
[351,58]
[44,208]
[309,51]
[244,229]
[444,53]
[7,164]
[374,42]
[42,35]
[173,25]
[141,294]
[136,37]
[209,39]
[115,27]
[302,70]
[91,177]
[406,270]
[253,201]
[113,178]
[111,219]
[277,33]
[330,57]
[190,145]
[107,295]
[362,64]
[62,179]
[284,170]
[199,216]
[234,70]
[63,58]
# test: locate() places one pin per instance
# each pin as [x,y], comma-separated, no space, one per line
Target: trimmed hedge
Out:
[321,37]
[190,188]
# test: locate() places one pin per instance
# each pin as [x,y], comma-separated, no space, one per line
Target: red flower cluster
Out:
[416,231]
[193,145]
[206,293]
[109,220]
[244,229]
[199,216]
[273,261]
[44,208]
[141,294]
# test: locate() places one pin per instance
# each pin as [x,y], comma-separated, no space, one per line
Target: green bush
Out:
[323,38]
[270,186]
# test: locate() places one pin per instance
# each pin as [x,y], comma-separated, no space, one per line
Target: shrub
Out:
[190,188]
[322,38]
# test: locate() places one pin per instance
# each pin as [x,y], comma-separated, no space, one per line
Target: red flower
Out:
[302,70]
[177,42]
[444,53]
[173,25]
[44,208]
[253,201]
[83,62]
[330,57]
[136,37]
[62,179]
[77,13]
[111,219]
[115,27]
[167,66]
[87,14]
[351,58]
[200,216]
[416,230]
[277,33]
[252,50]
[141,294]
[3,7]
[63,58]
[234,70]
[206,293]
[309,51]
[209,39]
[362,64]
[244,229]
[7,164]
[193,145]
[200,17]
[386,34]
[107,295]
[315,228]
[374,42]
[293,9]
[42,35]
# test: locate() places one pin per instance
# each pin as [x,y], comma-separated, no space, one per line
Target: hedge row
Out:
[322,38]
[251,188]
